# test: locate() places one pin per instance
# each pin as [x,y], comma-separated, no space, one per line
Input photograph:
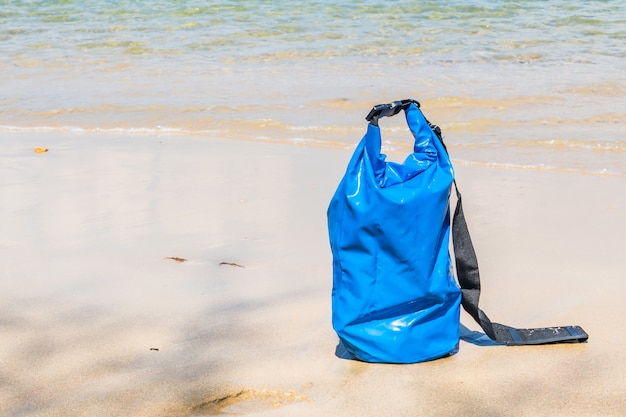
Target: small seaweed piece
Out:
[176,259]
[232,264]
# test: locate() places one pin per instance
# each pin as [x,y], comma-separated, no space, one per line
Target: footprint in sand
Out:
[247,401]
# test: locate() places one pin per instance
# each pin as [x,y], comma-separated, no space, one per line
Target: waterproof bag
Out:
[395,298]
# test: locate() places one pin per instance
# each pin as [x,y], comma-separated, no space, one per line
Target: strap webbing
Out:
[469,281]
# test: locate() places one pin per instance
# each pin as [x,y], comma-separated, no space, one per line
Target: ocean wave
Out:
[559,155]
[555,144]
[606,172]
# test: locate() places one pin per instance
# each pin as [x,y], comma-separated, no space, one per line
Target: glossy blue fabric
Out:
[394,297]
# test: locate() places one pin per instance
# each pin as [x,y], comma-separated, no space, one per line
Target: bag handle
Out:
[426,148]
[388,110]
[393,108]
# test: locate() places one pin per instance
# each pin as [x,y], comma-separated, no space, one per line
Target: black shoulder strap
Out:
[469,280]
[467,265]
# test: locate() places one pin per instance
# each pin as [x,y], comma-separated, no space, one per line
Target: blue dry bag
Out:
[395,298]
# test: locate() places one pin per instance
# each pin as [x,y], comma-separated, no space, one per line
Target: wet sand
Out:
[180,276]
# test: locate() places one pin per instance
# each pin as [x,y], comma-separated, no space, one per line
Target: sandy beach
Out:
[165,252]
[175,276]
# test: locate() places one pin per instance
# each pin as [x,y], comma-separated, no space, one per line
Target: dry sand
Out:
[97,320]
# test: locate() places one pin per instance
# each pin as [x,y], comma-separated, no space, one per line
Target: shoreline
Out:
[563,159]
[243,325]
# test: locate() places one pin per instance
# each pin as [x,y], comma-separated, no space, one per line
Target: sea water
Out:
[520,84]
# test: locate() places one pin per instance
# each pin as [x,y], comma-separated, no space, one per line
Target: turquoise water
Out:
[527,84]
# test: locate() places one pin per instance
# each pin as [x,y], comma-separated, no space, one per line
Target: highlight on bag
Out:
[395,298]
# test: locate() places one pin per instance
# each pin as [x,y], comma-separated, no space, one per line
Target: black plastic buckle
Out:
[388,110]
